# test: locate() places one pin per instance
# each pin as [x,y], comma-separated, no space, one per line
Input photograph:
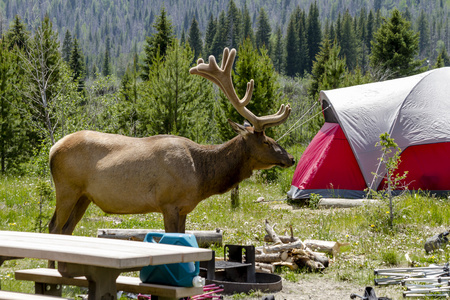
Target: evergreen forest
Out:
[123,66]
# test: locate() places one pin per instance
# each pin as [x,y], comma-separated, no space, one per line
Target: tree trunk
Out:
[235,197]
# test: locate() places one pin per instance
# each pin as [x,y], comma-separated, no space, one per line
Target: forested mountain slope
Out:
[127,23]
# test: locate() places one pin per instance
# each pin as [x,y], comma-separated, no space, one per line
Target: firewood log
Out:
[271,257]
[291,265]
[265,268]
[329,247]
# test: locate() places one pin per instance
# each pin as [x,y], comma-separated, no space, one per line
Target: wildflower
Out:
[372,225]
[387,212]
[346,235]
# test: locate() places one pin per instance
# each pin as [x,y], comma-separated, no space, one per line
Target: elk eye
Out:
[266,143]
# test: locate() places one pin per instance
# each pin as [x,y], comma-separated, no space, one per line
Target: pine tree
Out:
[106,70]
[424,34]
[76,63]
[234,25]
[209,35]
[17,35]
[348,42]
[158,43]
[370,30]
[314,33]
[292,51]
[195,39]
[439,62]
[172,100]
[445,57]
[263,30]
[220,38]
[394,47]
[252,64]
[302,31]
[318,69]
[67,47]
[277,52]
[247,30]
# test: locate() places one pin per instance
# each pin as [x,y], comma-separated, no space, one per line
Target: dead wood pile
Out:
[290,251]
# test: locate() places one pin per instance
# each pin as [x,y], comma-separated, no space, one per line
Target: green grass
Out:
[372,244]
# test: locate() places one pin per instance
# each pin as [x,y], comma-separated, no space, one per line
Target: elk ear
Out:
[238,128]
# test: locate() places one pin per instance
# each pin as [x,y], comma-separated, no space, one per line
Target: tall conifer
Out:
[314,34]
[67,47]
[394,48]
[195,39]
[158,43]
[263,30]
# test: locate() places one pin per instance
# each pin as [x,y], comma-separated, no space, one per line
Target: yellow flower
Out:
[346,235]
[372,225]
[387,212]
[432,256]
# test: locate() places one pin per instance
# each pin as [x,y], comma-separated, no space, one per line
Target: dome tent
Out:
[342,158]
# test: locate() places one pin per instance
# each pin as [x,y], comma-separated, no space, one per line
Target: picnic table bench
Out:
[100,261]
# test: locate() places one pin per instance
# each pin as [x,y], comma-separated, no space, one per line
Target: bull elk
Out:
[162,173]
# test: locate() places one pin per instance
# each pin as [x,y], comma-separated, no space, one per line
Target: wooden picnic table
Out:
[100,260]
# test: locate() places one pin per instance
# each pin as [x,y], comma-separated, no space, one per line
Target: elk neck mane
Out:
[222,167]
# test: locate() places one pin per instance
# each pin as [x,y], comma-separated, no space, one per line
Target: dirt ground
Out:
[318,288]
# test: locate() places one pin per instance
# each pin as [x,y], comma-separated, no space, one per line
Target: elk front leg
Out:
[171,219]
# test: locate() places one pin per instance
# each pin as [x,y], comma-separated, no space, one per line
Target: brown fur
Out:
[166,174]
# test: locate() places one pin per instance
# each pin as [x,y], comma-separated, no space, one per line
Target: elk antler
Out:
[222,77]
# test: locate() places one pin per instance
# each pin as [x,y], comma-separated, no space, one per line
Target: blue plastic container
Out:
[179,274]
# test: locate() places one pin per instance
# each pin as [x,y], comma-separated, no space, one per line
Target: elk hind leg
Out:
[66,203]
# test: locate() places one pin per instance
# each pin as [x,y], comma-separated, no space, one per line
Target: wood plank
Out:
[124,283]
[98,252]
[5,295]
[205,238]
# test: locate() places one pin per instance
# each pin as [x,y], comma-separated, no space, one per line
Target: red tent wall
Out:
[328,167]
[428,168]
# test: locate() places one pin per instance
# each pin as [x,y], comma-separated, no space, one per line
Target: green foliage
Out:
[17,36]
[195,39]
[263,30]
[348,42]
[390,160]
[157,45]
[255,65]
[394,47]
[390,257]
[76,63]
[67,47]
[41,65]
[45,195]
[174,102]
[106,70]
[14,133]
[314,200]
[314,32]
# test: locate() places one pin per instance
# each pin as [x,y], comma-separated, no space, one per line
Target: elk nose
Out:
[293,161]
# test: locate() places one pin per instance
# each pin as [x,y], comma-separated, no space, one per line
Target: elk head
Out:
[265,151]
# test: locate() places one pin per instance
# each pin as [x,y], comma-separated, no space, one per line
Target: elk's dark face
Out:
[264,151]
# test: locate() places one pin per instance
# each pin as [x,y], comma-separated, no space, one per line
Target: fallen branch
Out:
[284,238]
[283,247]
[272,234]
